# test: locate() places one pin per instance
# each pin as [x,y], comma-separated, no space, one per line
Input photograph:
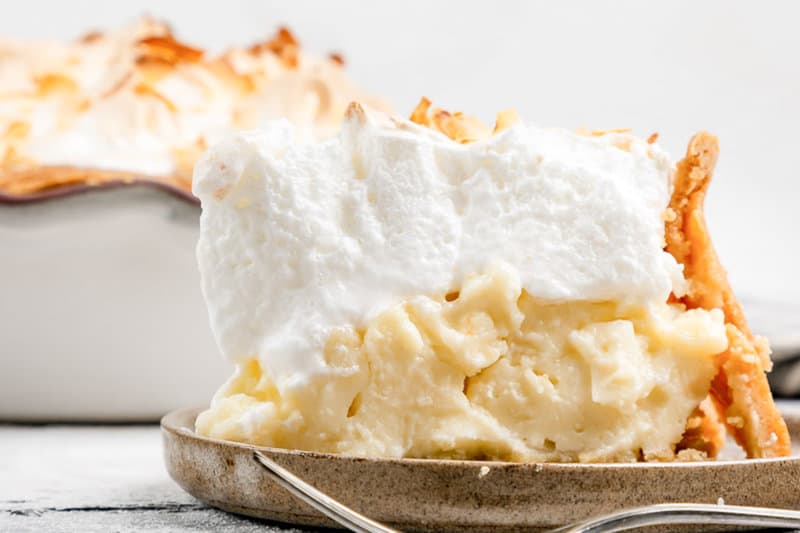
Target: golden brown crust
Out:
[26,182]
[740,390]
[704,431]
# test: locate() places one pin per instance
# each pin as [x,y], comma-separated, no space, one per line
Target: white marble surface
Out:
[105,478]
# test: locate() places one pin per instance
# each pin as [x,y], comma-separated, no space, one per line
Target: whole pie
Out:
[136,104]
[434,287]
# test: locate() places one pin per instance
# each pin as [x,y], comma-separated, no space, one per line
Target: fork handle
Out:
[687,514]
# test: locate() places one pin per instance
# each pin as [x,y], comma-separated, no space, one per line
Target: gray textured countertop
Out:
[60,478]
[98,478]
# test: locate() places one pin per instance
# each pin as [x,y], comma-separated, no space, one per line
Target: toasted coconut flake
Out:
[457,126]
[600,133]
[151,69]
[17,130]
[91,37]
[55,83]
[168,48]
[283,44]
[146,90]
[336,58]
[224,70]
[505,119]
[420,113]
[154,62]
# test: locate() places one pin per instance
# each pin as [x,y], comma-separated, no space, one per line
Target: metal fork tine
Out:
[318,500]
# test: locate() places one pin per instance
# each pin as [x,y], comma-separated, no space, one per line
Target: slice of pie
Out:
[137,104]
[435,288]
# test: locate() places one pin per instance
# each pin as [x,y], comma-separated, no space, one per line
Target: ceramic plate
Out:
[428,495]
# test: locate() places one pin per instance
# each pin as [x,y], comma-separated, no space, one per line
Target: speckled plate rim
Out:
[428,495]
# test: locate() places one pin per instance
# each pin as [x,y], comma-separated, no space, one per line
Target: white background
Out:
[675,67]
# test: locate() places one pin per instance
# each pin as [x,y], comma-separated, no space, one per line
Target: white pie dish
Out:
[102,316]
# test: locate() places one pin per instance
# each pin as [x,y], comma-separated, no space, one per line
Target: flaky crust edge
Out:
[740,398]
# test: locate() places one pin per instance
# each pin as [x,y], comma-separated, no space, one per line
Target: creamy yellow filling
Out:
[490,372]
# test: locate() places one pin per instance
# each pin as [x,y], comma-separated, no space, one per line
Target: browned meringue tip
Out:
[283,44]
[356,111]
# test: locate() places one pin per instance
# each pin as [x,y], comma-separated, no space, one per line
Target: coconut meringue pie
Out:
[137,103]
[433,287]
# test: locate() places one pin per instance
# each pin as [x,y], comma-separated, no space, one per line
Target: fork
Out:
[650,515]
